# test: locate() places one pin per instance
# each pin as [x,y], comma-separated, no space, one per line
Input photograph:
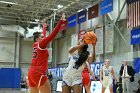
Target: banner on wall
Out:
[59,71]
[135,36]
[99,44]
[137,65]
[10,78]
[109,37]
[106,6]
[93,11]
[95,68]
[82,16]
[63,26]
[72,21]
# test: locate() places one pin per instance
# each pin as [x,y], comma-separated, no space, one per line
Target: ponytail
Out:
[83,57]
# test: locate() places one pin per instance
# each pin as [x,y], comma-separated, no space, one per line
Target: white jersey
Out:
[107,72]
[107,76]
[72,75]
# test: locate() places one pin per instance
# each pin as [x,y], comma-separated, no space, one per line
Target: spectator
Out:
[127,74]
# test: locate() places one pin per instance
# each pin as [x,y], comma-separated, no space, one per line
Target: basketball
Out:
[90,38]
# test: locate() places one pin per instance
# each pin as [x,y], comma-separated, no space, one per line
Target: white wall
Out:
[63,45]
[85,25]
[26,51]
[7,49]
[116,9]
[25,55]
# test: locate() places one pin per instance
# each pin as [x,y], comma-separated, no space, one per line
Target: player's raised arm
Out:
[90,71]
[44,27]
[44,42]
[73,49]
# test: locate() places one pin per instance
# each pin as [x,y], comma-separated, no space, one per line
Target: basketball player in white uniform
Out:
[106,76]
[72,78]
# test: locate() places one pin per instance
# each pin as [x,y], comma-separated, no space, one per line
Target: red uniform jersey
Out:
[86,77]
[85,70]
[39,65]
[40,53]
[39,58]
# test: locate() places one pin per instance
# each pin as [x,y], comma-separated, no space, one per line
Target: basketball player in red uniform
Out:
[38,81]
[86,77]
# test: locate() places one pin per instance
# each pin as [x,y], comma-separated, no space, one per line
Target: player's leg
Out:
[110,83]
[77,88]
[111,88]
[103,89]
[86,82]
[32,86]
[34,90]
[77,84]
[104,85]
[87,87]
[44,85]
[65,88]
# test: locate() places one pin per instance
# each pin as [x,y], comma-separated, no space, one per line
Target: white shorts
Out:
[72,80]
[107,82]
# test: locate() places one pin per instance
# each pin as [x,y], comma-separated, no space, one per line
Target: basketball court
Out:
[112,25]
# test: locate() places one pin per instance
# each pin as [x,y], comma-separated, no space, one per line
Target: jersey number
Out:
[107,72]
[34,53]
[75,66]
[75,59]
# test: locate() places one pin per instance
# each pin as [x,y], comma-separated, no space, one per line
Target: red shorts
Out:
[36,79]
[86,79]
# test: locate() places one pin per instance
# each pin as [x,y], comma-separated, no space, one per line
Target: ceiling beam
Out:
[7,16]
[48,8]
[17,13]
[19,10]
[22,21]
[46,3]
[36,12]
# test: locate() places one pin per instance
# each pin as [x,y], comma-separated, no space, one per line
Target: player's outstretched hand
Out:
[44,23]
[63,17]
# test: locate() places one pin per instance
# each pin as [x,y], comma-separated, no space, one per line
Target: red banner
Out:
[93,11]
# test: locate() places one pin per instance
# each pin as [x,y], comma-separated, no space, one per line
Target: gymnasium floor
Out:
[12,91]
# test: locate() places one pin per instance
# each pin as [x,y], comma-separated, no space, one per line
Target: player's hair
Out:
[36,35]
[107,60]
[83,57]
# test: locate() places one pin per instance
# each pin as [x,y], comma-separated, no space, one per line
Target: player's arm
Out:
[90,71]
[92,57]
[73,49]
[44,27]
[101,74]
[43,43]
[113,74]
